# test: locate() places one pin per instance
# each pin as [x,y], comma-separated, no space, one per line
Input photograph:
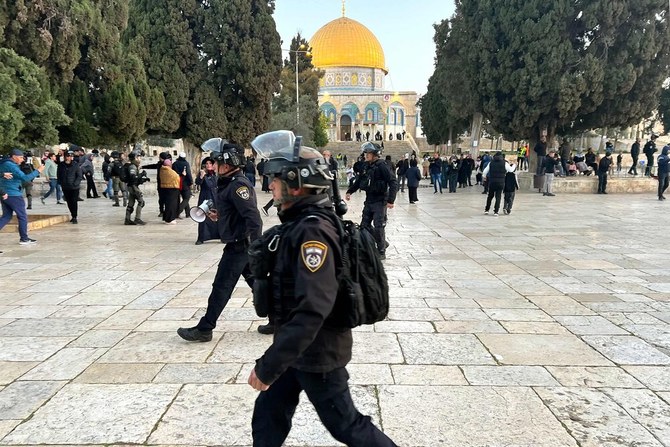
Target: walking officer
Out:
[115,167]
[134,178]
[239,224]
[309,352]
[380,186]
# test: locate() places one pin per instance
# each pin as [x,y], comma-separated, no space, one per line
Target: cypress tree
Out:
[242,52]
[163,33]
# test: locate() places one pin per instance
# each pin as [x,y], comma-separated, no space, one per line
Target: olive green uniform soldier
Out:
[115,167]
[134,178]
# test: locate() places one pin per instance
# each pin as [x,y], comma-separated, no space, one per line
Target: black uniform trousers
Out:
[494,189]
[184,205]
[329,393]
[234,262]
[71,197]
[375,214]
[650,164]
[662,183]
[633,169]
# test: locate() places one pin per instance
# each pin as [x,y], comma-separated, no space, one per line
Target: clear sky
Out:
[404,29]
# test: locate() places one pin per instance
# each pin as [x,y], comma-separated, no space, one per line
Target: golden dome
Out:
[346,43]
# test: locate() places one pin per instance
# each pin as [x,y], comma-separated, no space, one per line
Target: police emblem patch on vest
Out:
[243,192]
[313,254]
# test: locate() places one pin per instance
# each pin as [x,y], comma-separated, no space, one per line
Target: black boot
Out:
[266,329]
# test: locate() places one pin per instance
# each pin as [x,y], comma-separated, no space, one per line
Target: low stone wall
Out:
[589,184]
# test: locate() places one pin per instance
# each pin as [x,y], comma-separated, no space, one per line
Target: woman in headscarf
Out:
[207,180]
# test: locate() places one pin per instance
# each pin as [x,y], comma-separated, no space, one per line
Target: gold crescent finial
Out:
[343,7]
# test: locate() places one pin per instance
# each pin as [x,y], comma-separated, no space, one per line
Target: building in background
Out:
[352,93]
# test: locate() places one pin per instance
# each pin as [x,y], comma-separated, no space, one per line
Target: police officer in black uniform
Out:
[380,186]
[308,352]
[239,223]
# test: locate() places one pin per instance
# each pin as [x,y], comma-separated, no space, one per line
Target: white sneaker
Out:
[495,214]
[27,241]
[486,212]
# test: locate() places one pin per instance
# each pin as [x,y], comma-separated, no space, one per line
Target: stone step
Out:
[37,221]
[352,149]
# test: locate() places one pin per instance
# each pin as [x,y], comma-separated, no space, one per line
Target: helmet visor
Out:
[277,144]
[213,145]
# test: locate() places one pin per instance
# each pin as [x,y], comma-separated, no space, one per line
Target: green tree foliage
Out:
[77,43]
[241,48]
[284,105]
[29,115]
[562,65]
[664,109]
[446,107]
[48,32]
[320,131]
[164,34]
[207,116]
[77,100]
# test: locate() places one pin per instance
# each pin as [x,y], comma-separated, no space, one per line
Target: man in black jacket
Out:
[183,168]
[309,352]
[69,178]
[649,150]
[401,168]
[239,223]
[635,154]
[603,170]
[380,187]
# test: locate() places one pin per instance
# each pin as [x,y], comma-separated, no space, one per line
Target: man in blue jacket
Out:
[14,202]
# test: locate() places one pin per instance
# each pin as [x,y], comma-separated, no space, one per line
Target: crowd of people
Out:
[308,352]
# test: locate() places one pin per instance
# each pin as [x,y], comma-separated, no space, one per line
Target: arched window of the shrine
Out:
[329,112]
[401,114]
[393,117]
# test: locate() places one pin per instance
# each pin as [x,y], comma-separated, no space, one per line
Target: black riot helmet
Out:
[371,148]
[299,166]
[224,152]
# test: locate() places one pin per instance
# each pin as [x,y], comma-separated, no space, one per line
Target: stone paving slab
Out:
[535,329]
[469,416]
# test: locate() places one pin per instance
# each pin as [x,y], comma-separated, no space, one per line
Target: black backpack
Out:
[124,174]
[363,291]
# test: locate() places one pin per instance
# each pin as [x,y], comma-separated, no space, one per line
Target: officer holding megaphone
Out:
[239,223]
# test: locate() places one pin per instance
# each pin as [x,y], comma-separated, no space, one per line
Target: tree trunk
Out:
[475,134]
[601,146]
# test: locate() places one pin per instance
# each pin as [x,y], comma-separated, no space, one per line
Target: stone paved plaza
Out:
[548,327]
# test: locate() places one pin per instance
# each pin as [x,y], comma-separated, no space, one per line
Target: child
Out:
[511,185]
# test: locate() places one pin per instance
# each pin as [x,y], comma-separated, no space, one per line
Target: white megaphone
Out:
[199,213]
